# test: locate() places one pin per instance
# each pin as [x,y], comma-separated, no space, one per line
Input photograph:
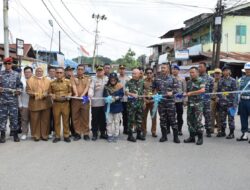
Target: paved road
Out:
[219,164]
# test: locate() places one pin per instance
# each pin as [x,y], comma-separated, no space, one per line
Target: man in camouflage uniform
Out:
[134,89]
[206,99]
[227,102]
[195,87]
[10,89]
[167,86]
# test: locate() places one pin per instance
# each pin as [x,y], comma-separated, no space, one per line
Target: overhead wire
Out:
[69,28]
[59,24]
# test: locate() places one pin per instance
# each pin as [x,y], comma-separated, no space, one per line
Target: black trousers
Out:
[52,128]
[71,126]
[125,116]
[179,113]
[98,122]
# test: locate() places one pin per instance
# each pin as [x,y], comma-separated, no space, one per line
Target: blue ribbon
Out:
[205,96]
[131,98]
[108,100]
[179,95]
[85,99]
[156,98]
[232,111]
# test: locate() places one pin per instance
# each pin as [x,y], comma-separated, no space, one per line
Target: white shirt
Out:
[23,99]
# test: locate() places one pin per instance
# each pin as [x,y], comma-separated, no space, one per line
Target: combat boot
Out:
[208,131]
[200,138]
[221,133]
[131,138]
[15,136]
[231,134]
[2,138]
[190,139]
[176,138]
[164,135]
[140,136]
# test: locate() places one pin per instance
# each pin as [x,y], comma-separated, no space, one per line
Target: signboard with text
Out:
[181,55]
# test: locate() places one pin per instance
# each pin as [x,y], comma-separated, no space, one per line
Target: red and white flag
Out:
[83,51]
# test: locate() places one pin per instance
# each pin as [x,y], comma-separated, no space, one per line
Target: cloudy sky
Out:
[133,24]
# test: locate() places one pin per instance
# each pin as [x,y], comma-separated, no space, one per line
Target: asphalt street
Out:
[219,164]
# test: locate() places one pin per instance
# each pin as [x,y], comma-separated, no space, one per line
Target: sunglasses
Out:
[59,72]
[7,63]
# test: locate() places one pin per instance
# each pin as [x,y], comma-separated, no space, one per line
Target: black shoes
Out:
[140,136]
[104,136]
[86,137]
[208,131]
[67,139]
[200,138]
[15,137]
[2,138]
[94,138]
[131,138]
[164,137]
[176,138]
[221,134]
[231,134]
[77,137]
[56,140]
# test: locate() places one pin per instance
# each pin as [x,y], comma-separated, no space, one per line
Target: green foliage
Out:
[89,60]
[128,59]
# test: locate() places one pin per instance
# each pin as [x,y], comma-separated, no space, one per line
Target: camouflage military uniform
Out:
[207,101]
[135,106]
[227,101]
[9,80]
[195,106]
[167,110]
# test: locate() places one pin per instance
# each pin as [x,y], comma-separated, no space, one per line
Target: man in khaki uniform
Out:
[39,105]
[148,103]
[214,101]
[59,88]
[80,111]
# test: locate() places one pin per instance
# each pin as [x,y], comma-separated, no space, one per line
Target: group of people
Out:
[115,100]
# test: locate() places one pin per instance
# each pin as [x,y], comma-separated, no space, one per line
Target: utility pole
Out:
[217,34]
[6,27]
[59,42]
[98,18]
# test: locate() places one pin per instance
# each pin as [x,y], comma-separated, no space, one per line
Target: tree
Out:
[89,60]
[142,60]
[128,60]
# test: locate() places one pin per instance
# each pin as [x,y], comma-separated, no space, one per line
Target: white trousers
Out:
[113,124]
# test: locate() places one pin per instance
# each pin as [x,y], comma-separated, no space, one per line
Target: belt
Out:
[245,97]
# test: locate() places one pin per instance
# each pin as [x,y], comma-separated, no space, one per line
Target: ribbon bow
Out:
[156,98]
[179,95]
[108,100]
[85,99]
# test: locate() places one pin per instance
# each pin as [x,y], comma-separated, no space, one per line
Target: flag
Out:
[83,51]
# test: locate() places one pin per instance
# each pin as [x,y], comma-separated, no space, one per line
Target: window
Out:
[241,34]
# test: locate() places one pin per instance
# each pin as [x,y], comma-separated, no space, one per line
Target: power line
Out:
[75,18]
[107,37]
[33,18]
[142,3]
[64,21]
[59,23]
